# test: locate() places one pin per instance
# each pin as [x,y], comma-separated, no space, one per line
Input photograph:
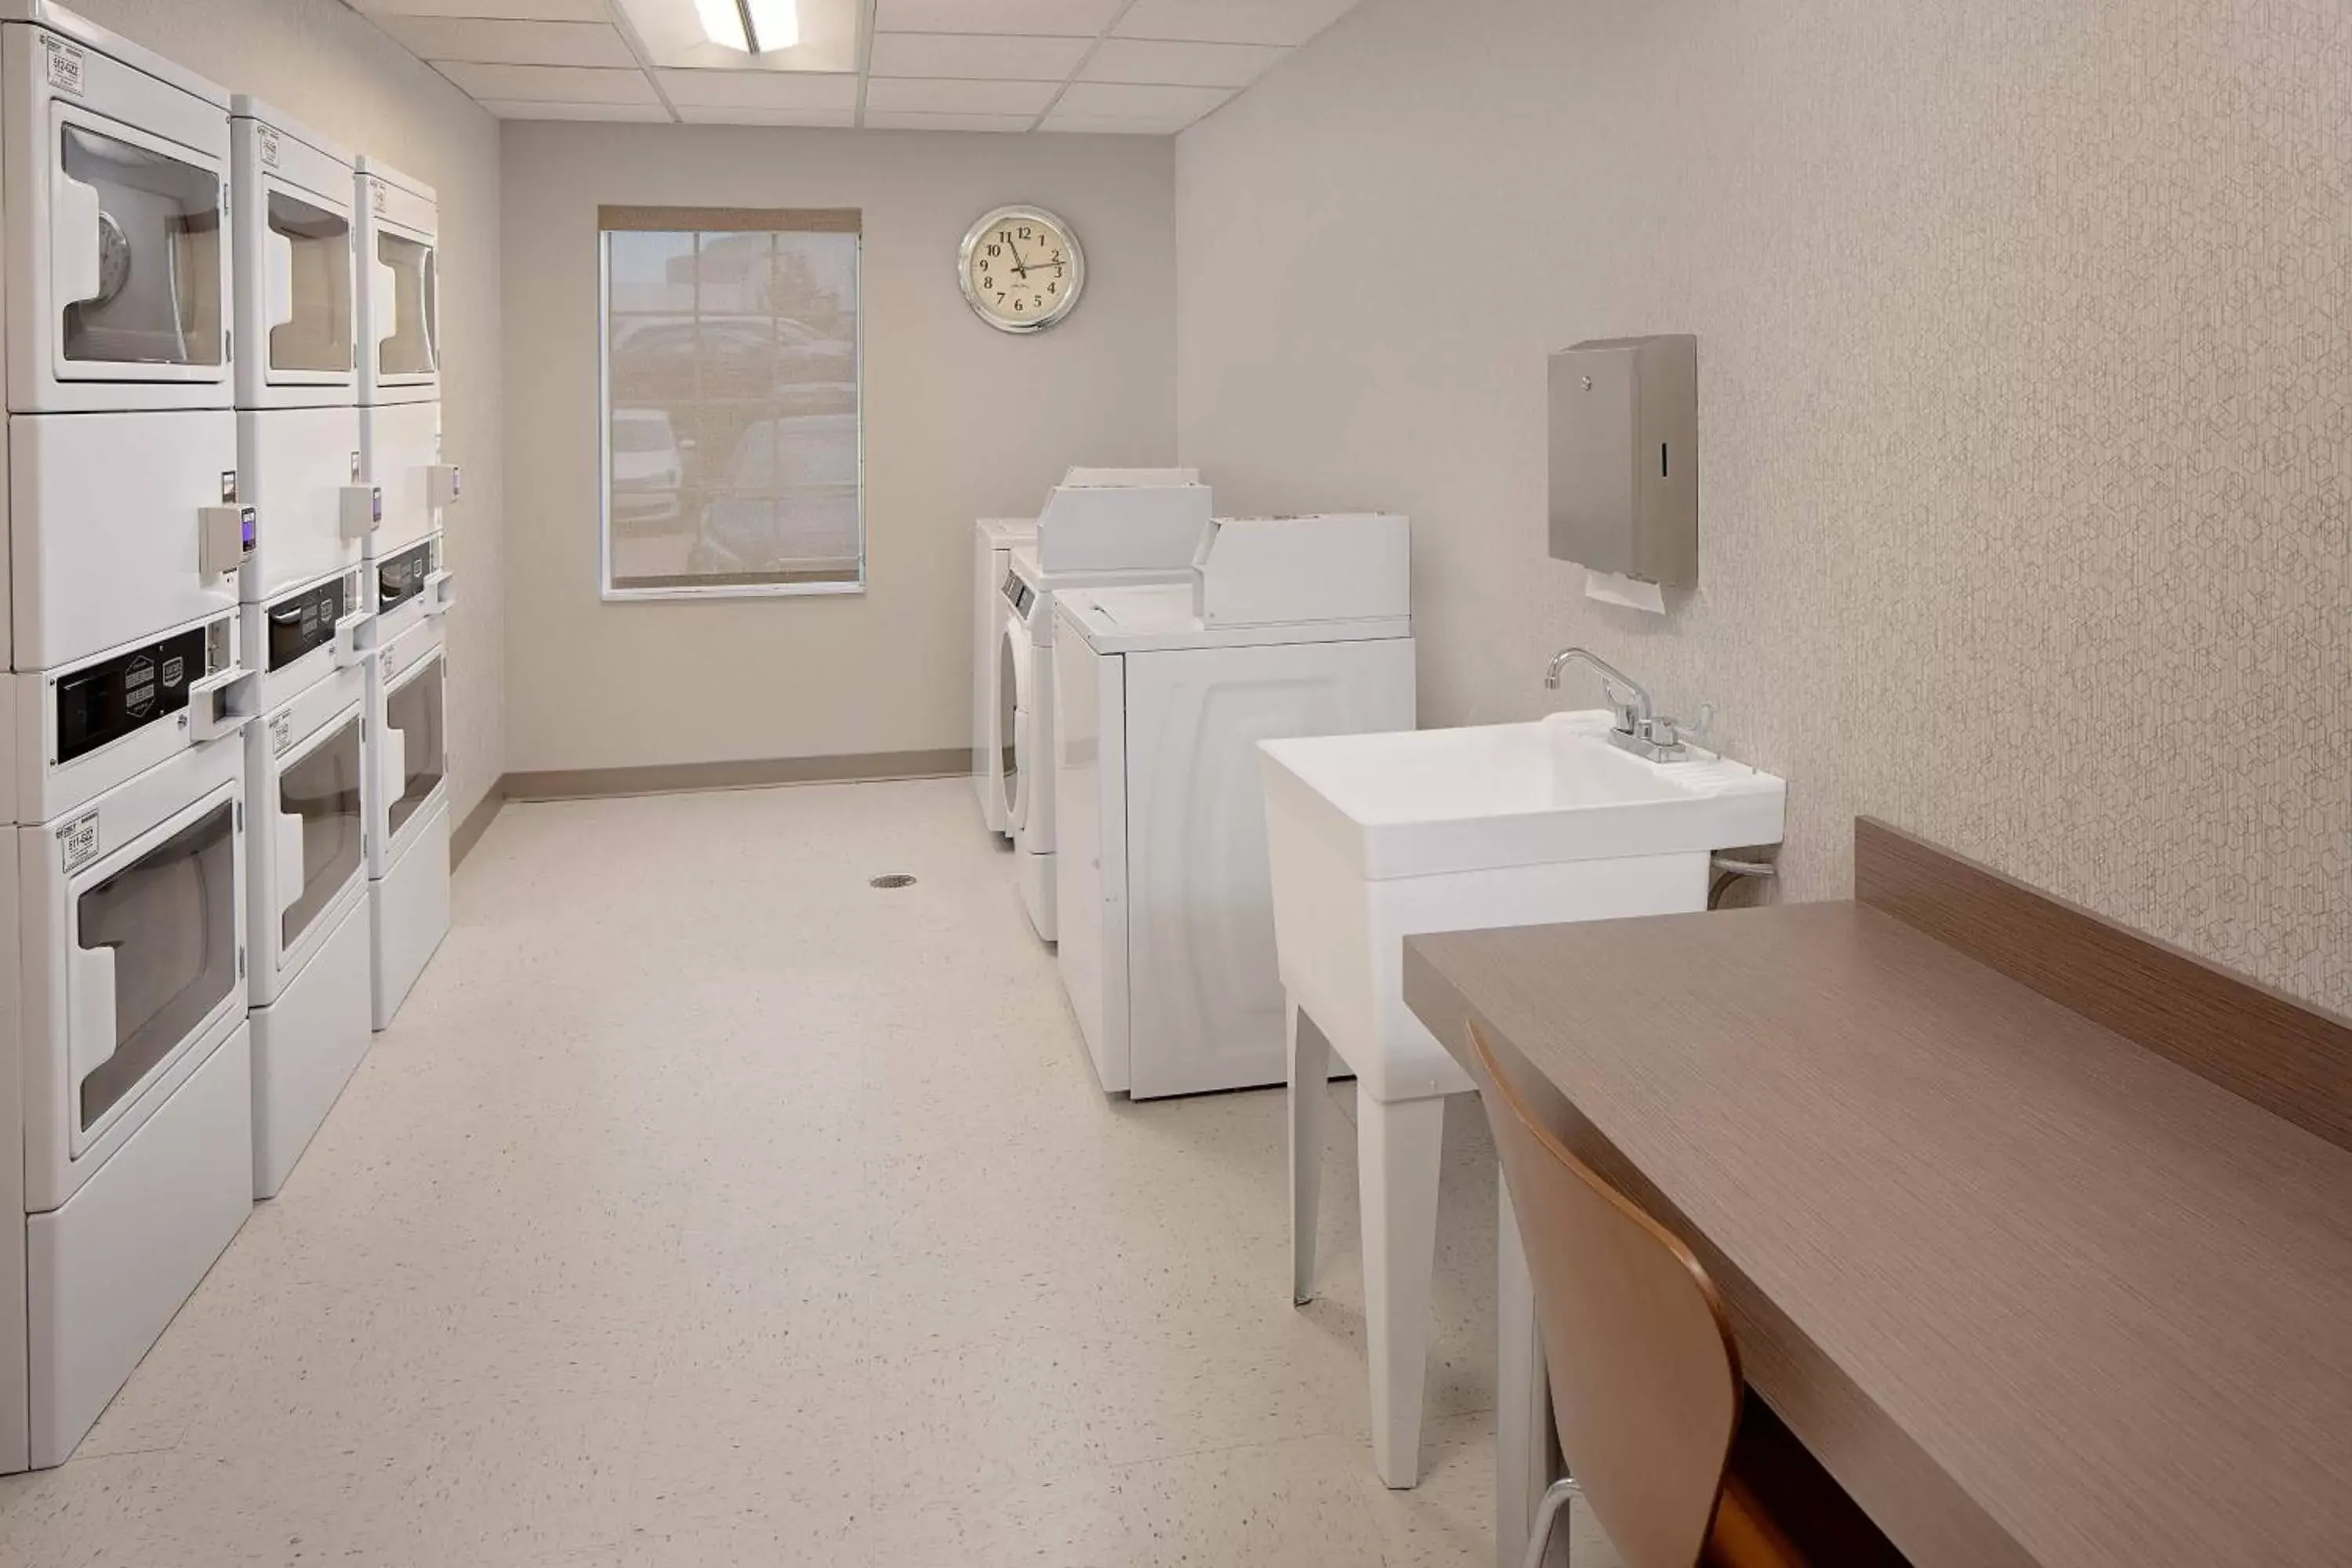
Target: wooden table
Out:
[1999,1247]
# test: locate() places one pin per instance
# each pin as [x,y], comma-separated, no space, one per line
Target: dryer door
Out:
[152,955]
[308,290]
[1012,717]
[407,330]
[319,825]
[135,254]
[413,710]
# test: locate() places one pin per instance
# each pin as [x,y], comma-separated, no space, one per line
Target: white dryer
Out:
[400,369]
[1290,627]
[300,458]
[993,539]
[132,1055]
[408,814]
[124,510]
[308,788]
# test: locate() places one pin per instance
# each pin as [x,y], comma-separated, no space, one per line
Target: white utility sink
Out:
[1373,838]
[1422,803]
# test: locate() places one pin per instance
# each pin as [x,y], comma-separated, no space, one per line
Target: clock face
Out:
[1022,268]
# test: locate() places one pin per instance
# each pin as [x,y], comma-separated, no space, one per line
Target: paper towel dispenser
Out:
[1624,456]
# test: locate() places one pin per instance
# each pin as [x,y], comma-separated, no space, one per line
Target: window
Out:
[732,449]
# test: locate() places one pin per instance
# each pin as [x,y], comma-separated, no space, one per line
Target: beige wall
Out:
[321,63]
[2026,401]
[961,422]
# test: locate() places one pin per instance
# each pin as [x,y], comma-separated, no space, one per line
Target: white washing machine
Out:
[408,814]
[1098,525]
[1026,679]
[993,539]
[300,457]
[1289,627]
[306,785]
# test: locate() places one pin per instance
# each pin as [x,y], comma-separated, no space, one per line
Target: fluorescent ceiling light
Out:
[754,26]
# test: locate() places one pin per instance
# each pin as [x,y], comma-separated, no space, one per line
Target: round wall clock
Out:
[1022,268]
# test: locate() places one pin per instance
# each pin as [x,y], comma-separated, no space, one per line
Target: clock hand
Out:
[1018,265]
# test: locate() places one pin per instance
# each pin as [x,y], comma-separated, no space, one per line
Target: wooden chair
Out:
[1645,1380]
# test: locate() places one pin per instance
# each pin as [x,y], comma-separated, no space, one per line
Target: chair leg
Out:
[1550,1511]
[1398,1145]
[1310,1087]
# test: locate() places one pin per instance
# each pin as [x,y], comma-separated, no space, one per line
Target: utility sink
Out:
[1422,803]
[1375,838]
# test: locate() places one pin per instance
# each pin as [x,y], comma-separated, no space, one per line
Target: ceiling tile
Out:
[550,84]
[1231,21]
[1199,65]
[511,43]
[1089,124]
[1070,18]
[1123,100]
[944,97]
[647,112]
[519,10]
[736,114]
[996,57]
[761,90]
[901,119]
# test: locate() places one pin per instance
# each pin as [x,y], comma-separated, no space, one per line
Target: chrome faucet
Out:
[1638,729]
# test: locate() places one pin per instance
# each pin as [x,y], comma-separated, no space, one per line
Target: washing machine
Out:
[311,997]
[299,457]
[1101,526]
[993,539]
[1288,627]
[1025,679]
[133,1072]
[408,816]
[124,510]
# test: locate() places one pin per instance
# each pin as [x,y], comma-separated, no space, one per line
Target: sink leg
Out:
[1310,1073]
[1398,1145]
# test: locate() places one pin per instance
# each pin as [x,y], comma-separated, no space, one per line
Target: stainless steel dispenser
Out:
[1624,456]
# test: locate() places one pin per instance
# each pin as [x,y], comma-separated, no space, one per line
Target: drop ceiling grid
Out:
[1138,67]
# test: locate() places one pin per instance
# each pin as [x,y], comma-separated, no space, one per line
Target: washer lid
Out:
[1163,615]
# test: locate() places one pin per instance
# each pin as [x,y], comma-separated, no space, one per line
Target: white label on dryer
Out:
[79,840]
[65,64]
[281,735]
[355,471]
[376,195]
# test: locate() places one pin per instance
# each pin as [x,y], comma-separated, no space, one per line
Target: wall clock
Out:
[1022,268]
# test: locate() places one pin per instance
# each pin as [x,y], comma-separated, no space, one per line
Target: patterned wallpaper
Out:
[2025,340]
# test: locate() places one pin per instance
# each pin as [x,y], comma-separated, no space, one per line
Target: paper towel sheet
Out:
[1631,592]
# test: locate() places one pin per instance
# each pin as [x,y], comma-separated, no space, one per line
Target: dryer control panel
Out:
[1018,594]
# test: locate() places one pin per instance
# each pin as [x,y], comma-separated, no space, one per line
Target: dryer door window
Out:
[1009,681]
[414,708]
[309,286]
[155,954]
[409,340]
[320,793]
[137,253]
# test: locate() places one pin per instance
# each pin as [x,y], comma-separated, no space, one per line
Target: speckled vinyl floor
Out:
[707,1207]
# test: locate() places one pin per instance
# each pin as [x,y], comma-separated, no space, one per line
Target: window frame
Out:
[706,221]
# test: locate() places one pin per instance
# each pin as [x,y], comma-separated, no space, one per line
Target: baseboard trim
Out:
[676,778]
[478,822]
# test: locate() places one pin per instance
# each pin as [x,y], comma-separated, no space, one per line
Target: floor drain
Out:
[894,879]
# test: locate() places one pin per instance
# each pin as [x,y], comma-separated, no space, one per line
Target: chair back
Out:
[1645,1380]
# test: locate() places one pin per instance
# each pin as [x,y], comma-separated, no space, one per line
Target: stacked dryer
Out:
[127,1082]
[400,443]
[308,597]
